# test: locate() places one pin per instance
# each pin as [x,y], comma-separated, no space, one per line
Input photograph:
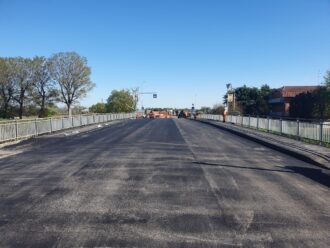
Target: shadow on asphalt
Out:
[241,167]
[316,175]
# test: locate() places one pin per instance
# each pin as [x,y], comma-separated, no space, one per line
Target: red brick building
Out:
[280,100]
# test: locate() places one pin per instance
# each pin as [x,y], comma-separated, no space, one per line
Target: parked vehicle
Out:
[182,114]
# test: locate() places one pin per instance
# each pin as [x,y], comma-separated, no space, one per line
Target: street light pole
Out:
[146,93]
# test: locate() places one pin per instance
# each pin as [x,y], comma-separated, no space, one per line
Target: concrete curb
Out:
[301,155]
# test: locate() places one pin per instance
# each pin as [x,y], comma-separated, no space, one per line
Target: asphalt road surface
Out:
[159,183]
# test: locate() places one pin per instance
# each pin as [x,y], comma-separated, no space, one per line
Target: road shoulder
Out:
[314,154]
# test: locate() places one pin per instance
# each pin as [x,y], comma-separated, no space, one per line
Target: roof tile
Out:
[292,91]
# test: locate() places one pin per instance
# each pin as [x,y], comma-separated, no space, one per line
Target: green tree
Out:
[72,74]
[99,107]
[303,105]
[311,105]
[43,90]
[246,99]
[322,103]
[251,100]
[6,88]
[78,110]
[262,105]
[121,101]
[322,99]
[52,109]
[21,72]
[315,104]
[217,109]
[205,110]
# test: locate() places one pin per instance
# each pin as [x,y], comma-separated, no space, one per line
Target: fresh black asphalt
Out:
[159,183]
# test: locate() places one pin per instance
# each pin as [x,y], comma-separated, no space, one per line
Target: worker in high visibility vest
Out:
[224,116]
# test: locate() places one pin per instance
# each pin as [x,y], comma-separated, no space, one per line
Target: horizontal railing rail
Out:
[302,130]
[20,129]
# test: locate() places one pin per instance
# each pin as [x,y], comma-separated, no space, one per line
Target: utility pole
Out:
[137,93]
[154,95]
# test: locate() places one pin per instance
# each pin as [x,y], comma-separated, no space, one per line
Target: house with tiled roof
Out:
[280,99]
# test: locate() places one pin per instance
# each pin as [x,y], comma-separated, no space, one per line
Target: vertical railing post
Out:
[281,128]
[257,122]
[249,121]
[62,122]
[321,132]
[51,125]
[16,129]
[268,124]
[298,131]
[36,126]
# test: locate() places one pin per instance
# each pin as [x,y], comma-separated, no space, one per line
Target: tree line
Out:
[41,82]
[313,105]
[217,109]
[124,101]
[119,101]
[310,105]
[251,100]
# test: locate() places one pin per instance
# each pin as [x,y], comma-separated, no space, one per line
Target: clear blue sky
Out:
[186,50]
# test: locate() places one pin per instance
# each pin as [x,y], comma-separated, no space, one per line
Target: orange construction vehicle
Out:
[159,114]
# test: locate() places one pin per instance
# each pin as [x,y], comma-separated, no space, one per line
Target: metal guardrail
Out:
[319,132]
[24,129]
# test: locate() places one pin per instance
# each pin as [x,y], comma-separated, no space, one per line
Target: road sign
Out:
[154,95]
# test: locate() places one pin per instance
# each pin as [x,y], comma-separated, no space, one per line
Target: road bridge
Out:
[159,183]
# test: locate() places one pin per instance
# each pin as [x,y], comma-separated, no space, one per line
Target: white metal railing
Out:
[292,128]
[20,129]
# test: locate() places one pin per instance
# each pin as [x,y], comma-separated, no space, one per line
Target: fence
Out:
[319,132]
[14,130]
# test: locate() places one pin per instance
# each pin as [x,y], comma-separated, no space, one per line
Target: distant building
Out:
[280,100]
